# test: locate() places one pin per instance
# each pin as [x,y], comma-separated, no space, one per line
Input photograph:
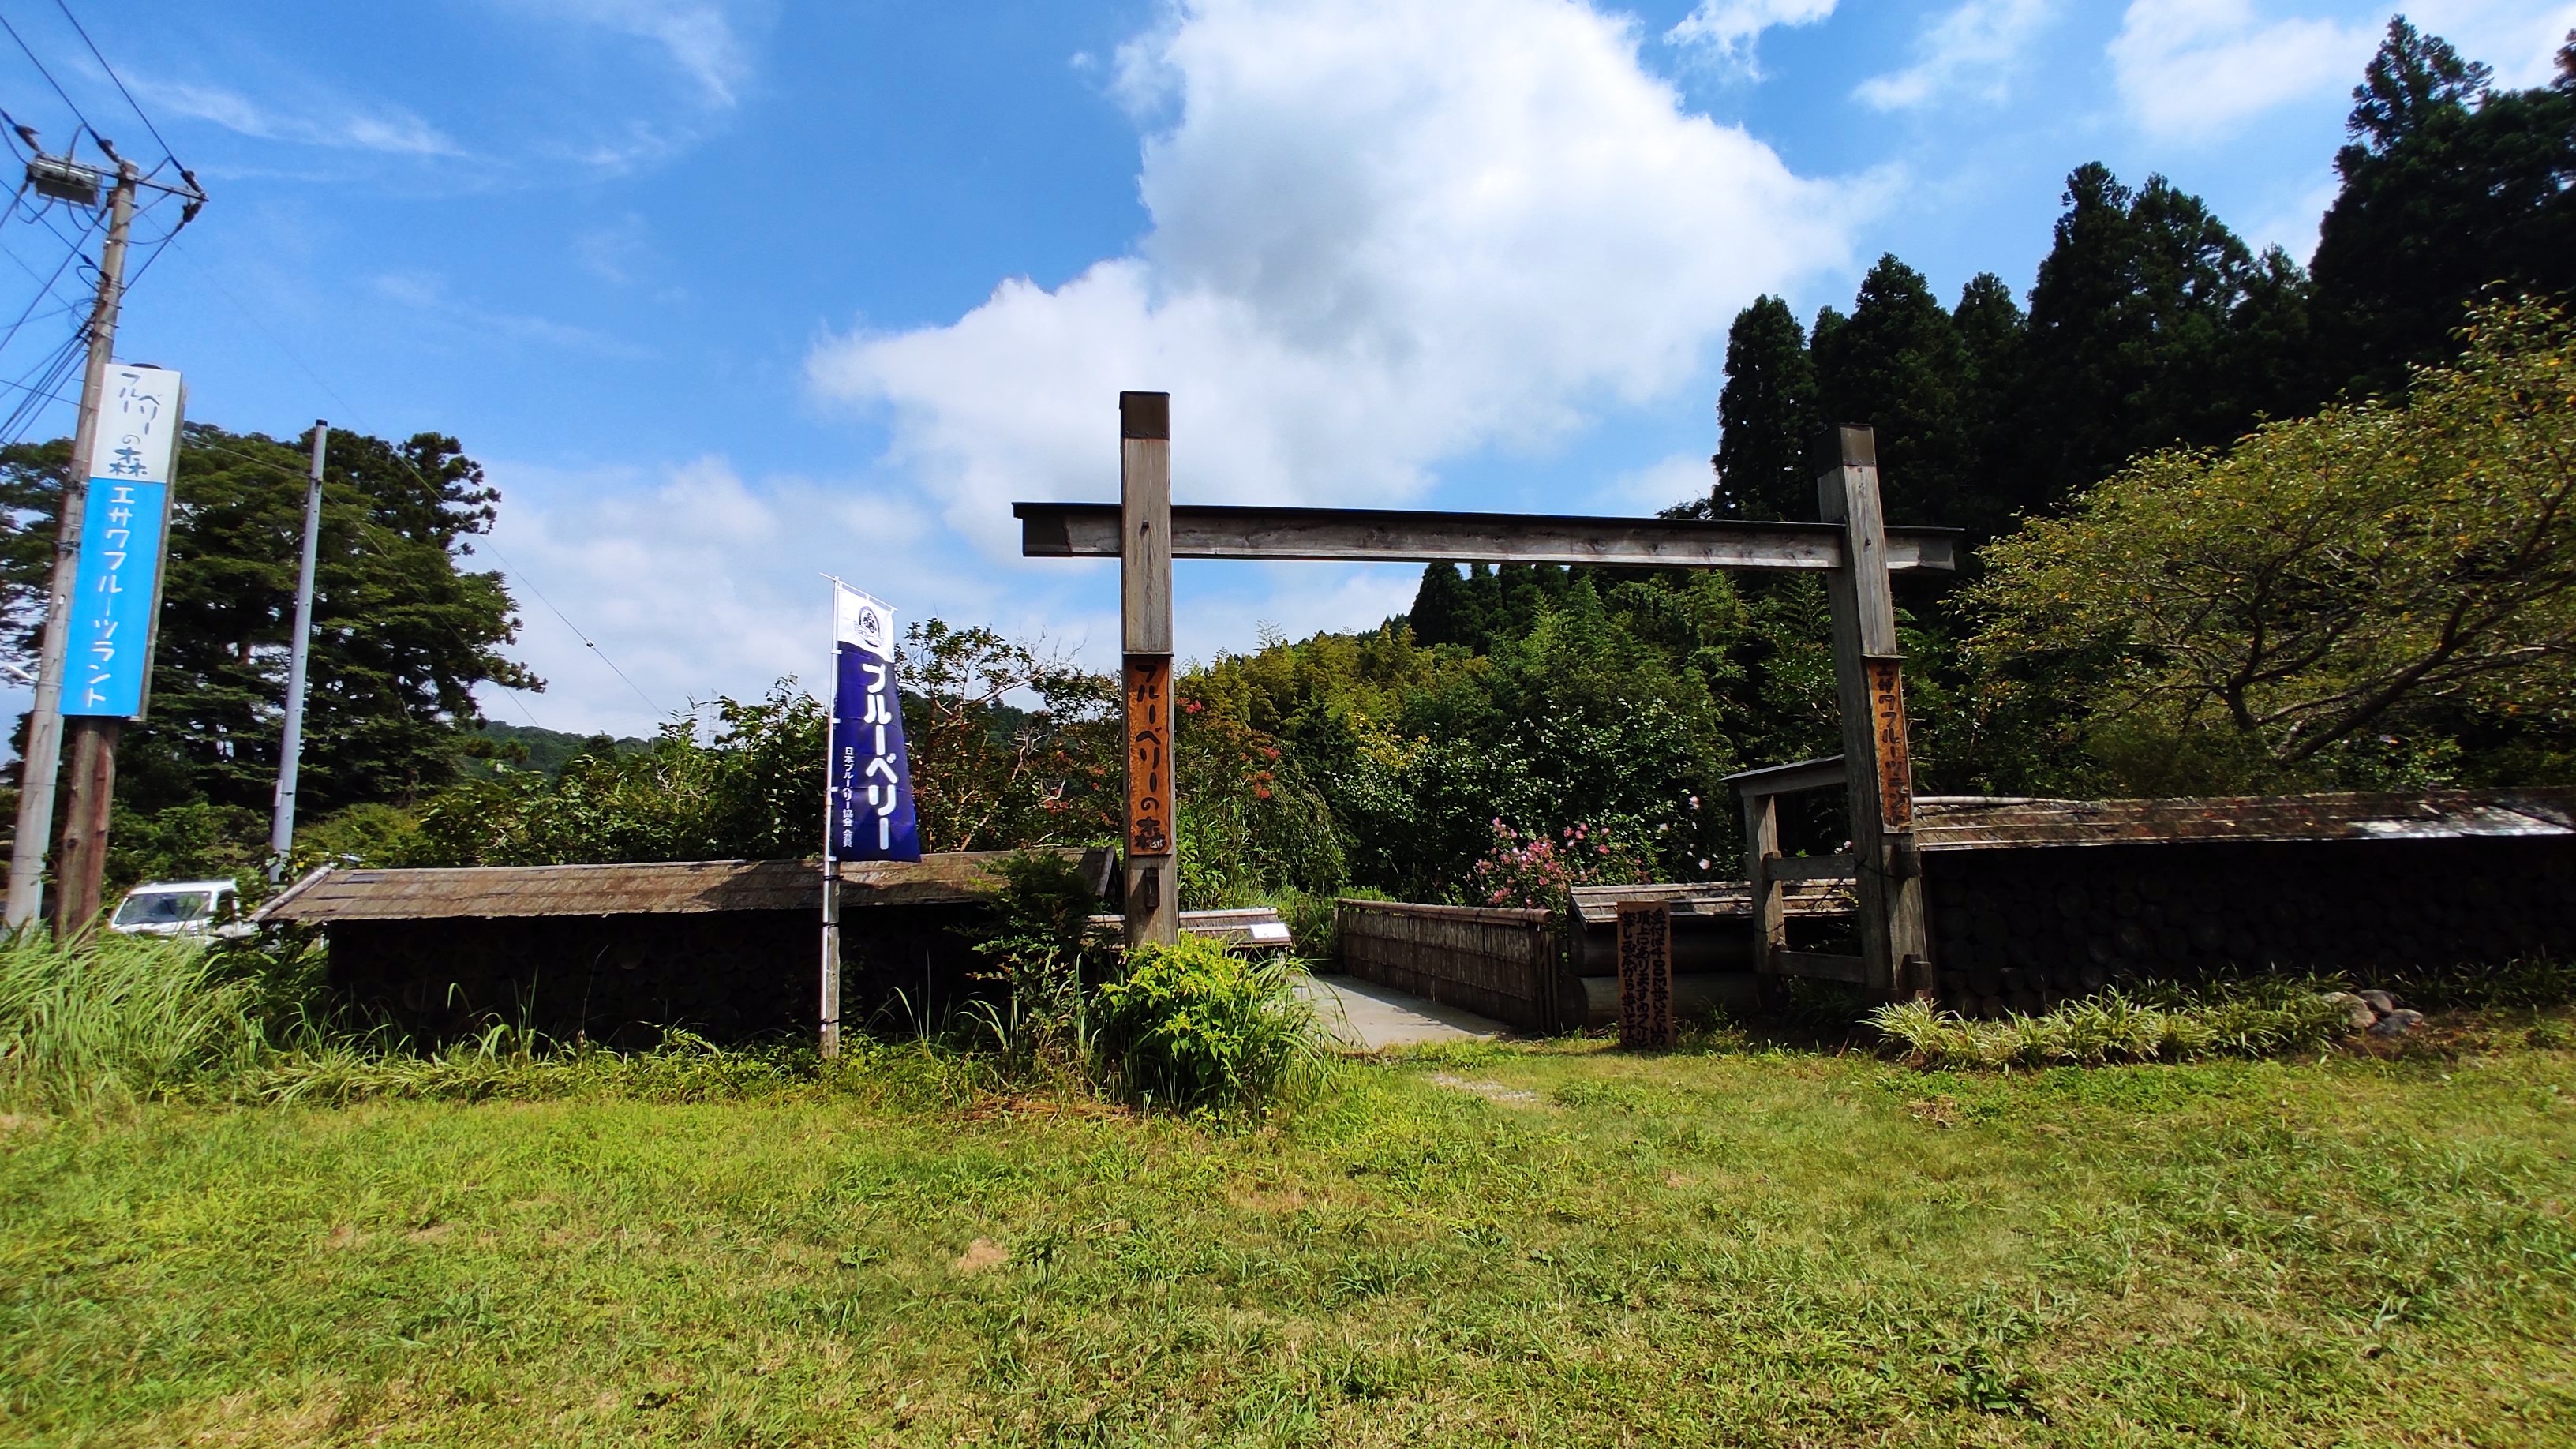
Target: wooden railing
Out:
[1506,964]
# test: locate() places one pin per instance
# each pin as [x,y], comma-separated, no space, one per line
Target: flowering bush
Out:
[1536,870]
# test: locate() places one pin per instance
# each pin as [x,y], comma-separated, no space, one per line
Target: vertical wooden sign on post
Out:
[1870,685]
[1645,974]
[1153,909]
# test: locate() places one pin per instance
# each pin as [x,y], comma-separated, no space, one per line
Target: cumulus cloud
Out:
[1724,31]
[1969,52]
[692,581]
[2195,68]
[1383,237]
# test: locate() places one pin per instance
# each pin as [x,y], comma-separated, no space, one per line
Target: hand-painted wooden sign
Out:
[1645,974]
[1887,738]
[1149,754]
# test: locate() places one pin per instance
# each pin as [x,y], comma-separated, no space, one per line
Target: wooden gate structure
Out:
[1852,546]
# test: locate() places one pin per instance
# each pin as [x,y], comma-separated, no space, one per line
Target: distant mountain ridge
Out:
[545,751]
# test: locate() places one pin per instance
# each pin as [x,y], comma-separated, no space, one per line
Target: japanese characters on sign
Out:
[1887,743]
[1149,754]
[107,665]
[870,796]
[1645,974]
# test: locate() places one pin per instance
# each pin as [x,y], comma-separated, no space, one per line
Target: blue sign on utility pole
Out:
[107,668]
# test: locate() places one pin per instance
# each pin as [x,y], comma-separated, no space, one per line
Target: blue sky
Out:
[728,295]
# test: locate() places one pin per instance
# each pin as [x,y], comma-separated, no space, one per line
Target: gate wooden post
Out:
[1153,899]
[1869,682]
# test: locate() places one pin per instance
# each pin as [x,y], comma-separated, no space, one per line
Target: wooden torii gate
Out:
[1853,547]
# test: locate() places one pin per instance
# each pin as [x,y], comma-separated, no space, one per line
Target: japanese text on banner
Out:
[870,795]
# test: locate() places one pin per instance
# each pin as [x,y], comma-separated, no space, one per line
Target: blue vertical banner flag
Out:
[870,801]
[116,593]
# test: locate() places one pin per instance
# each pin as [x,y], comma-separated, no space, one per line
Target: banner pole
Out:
[829,1013]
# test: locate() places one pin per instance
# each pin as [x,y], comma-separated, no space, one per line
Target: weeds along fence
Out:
[1505,964]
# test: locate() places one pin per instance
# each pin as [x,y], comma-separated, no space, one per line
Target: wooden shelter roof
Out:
[1974,822]
[670,887]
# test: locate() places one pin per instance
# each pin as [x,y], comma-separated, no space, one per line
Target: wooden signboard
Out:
[1887,743]
[1645,974]
[1149,754]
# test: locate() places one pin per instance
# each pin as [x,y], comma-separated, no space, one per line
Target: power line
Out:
[83,32]
[351,409]
[364,525]
[49,78]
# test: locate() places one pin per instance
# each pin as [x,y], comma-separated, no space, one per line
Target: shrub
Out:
[1040,950]
[1193,1027]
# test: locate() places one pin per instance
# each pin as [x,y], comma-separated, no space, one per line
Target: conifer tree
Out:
[1898,365]
[2451,191]
[1766,417]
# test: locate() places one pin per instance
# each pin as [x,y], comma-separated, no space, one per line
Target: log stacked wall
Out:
[2021,929]
[624,980]
[1505,964]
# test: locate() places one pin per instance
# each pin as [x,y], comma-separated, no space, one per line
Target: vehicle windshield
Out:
[166,908]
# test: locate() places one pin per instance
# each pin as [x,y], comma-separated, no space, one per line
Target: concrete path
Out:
[1362,1016]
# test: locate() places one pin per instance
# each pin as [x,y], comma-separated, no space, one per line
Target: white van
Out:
[180,908]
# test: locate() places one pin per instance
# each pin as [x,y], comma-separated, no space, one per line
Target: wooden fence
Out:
[1506,964]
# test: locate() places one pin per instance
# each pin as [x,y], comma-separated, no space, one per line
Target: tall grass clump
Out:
[1195,1028]
[112,1019]
[2256,1019]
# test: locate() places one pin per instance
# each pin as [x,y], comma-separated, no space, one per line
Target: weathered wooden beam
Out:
[1359,535]
[1789,779]
[1143,520]
[1878,776]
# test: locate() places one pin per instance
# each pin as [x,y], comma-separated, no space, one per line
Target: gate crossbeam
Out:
[1851,546]
[1359,535]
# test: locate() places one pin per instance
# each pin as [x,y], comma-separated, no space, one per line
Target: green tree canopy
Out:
[1767,417]
[2451,192]
[2296,608]
[403,630]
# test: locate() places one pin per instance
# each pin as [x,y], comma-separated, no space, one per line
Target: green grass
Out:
[1555,1244]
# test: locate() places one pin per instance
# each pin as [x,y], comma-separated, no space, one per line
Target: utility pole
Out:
[93,739]
[290,748]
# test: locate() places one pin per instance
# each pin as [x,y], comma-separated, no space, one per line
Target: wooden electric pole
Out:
[290,745]
[92,739]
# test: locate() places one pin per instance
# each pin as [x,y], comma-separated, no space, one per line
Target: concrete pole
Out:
[40,770]
[290,744]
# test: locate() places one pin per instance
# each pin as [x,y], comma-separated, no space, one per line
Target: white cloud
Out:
[1969,52]
[1724,31]
[426,293]
[1680,478]
[2189,69]
[692,583]
[2520,38]
[320,120]
[1383,238]
[698,37]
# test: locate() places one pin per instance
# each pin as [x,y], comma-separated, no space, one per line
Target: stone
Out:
[2357,1009]
[2397,1023]
[2380,1001]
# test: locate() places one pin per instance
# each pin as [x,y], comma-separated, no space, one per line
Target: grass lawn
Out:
[1544,1244]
